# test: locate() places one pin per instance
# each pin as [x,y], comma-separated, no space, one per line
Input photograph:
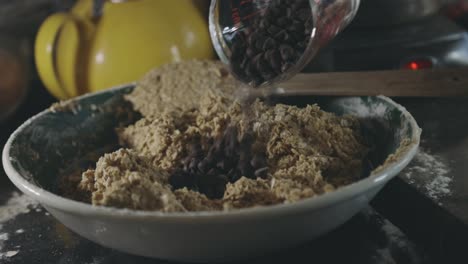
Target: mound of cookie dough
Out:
[197,148]
[178,87]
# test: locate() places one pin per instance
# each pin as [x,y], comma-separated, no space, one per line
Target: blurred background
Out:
[40,64]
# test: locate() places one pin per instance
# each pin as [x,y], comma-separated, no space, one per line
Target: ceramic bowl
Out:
[37,153]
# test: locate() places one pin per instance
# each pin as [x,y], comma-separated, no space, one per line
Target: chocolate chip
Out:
[273,12]
[195,150]
[219,191]
[260,42]
[247,139]
[269,43]
[244,62]
[257,80]
[283,22]
[210,155]
[255,36]
[268,75]
[193,165]
[180,179]
[262,64]
[258,161]
[296,5]
[301,45]
[264,24]
[250,71]
[203,165]
[222,178]
[308,27]
[296,26]
[250,52]
[304,14]
[285,67]
[265,70]
[274,58]
[281,35]
[186,161]
[287,52]
[273,30]
[211,172]
[218,146]
[220,165]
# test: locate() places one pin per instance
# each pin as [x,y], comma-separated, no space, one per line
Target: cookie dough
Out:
[307,151]
[179,87]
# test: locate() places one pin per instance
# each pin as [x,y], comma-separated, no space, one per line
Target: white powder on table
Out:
[8,254]
[429,173]
[3,237]
[396,245]
[16,205]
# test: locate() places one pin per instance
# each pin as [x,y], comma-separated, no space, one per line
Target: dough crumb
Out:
[124,179]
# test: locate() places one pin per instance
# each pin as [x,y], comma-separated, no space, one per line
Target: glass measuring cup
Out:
[268,41]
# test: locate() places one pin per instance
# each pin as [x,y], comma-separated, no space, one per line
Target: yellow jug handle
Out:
[44,53]
[67,62]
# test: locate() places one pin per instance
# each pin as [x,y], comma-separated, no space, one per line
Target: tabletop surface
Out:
[419,217]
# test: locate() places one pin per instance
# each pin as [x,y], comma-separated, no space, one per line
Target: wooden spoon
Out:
[393,83]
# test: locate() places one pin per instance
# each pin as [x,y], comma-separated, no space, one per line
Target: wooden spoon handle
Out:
[393,83]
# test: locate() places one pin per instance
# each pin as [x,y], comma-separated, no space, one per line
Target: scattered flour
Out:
[3,238]
[429,173]
[396,246]
[16,205]
[8,254]
[357,106]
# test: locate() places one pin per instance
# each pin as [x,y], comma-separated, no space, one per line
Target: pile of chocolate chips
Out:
[273,43]
[226,159]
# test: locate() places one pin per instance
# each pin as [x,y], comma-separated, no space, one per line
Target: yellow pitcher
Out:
[94,47]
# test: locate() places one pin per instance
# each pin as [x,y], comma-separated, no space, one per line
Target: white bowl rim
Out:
[350,191]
